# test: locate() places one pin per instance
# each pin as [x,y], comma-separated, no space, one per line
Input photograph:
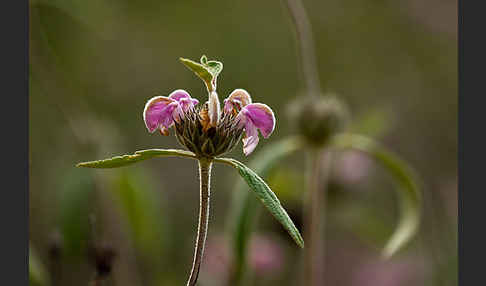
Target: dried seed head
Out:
[195,132]
[318,119]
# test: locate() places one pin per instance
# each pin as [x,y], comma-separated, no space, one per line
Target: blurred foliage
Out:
[139,205]
[38,275]
[94,63]
[76,205]
[409,190]
[136,196]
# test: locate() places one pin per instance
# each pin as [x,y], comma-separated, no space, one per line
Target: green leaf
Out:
[409,192]
[124,160]
[267,197]
[245,208]
[75,204]
[214,67]
[204,60]
[208,71]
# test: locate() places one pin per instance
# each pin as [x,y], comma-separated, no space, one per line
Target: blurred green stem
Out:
[205,191]
[319,163]
[315,200]
[305,41]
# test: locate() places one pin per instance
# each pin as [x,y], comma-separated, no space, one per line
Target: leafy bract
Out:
[208,71]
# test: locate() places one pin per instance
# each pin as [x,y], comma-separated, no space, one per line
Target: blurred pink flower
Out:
[398,272]
[217,259]
[352,166]
[266,255]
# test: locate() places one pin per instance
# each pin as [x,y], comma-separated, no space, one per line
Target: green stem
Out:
[315,204]
[205,192]
[305,40]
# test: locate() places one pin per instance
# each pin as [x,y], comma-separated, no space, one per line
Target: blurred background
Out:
[95,63]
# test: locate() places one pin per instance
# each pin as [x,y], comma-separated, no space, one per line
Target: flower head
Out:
[206,130]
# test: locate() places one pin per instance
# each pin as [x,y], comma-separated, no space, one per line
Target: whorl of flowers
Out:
[205,129]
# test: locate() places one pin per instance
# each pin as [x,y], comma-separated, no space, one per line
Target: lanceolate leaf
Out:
[244,205]
[124,160]
[262,165]
[268,198]
[408,191]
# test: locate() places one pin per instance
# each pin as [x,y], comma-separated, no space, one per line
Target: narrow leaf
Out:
[409,192]
[124,160]
[267,197]
[244,206]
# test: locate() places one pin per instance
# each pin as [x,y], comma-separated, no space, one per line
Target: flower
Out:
[251,116]
[207,131]
[161,111]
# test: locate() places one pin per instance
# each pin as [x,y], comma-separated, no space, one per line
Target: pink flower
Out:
[251,116]
[239,115]
[161,111]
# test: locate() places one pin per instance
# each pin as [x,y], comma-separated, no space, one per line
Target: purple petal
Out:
[250,141]
[158,112]
[238,99]
[178,94]
[261,116]
[184,99]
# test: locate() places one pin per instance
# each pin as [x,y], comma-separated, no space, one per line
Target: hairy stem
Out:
[205,191]
[305,41]
[315,204]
